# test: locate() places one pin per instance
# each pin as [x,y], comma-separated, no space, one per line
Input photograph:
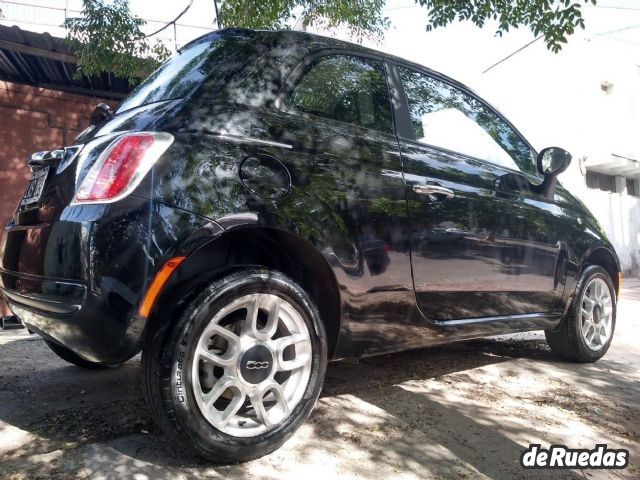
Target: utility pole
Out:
[215,5]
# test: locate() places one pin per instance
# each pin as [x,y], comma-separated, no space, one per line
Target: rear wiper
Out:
[101,113]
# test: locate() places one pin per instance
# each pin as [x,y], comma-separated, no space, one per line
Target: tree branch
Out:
[171,22]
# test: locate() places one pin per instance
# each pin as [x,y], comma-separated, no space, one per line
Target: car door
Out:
[348,193]
[483,243]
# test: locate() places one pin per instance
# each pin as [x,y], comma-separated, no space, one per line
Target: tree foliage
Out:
[108,37]
[363,18]
[554,20]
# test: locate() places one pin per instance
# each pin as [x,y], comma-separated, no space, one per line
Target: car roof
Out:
[309,42]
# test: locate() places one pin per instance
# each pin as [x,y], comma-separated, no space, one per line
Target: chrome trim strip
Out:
[259,141]
[433,190]
[503,318]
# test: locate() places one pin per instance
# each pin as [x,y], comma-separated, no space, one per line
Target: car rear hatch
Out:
[51,187]
[57,175]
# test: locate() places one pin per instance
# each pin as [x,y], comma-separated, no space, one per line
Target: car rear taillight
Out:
[122,166]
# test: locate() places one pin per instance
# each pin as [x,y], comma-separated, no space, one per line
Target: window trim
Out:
[301,69]
[405,130]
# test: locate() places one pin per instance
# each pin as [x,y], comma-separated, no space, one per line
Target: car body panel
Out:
[338,188]
[79,281]
[502,250]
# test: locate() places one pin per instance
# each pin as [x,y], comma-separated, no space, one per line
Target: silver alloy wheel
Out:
[596,314]
[252,365]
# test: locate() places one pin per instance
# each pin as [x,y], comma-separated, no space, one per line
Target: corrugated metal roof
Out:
[44,61]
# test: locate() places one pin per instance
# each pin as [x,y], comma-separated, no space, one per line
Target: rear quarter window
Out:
[346,88]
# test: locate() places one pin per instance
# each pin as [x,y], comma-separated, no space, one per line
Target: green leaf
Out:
[107,37]
[554,20]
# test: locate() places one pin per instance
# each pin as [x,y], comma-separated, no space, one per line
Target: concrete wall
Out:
[618,215]
[617,212]
[33,119]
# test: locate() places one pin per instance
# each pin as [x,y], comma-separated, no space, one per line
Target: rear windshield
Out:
[178,76]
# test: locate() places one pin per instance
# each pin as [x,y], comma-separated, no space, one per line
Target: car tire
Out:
[200,365]
[587,330]
[70,357]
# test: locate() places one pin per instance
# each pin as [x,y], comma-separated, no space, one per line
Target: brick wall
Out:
[33,119]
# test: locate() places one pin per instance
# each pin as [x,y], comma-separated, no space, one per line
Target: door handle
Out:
[433,190]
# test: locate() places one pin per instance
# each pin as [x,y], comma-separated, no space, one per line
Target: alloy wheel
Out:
[251,365]
[597,314]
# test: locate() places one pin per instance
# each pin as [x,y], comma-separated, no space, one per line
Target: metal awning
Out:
[41,60]
[614,164]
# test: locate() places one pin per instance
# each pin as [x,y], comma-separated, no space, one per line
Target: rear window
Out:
[178,76]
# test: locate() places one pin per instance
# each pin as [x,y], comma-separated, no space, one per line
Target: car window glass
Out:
[446,117]
[345,88]
[176,77]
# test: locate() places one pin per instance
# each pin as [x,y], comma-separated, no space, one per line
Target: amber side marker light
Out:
[160,280]
[619,289]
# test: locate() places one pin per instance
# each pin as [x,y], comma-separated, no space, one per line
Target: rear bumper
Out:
[69,314]
[50,296]
[80,281]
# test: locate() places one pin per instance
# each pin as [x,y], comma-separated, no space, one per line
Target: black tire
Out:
[167,361]
[70,357]
[567,341]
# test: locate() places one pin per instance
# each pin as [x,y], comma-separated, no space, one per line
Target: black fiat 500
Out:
[266,202]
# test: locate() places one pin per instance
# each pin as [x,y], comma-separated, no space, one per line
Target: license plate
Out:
[35,187]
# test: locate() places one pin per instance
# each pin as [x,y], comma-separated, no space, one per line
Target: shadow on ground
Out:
[383,409]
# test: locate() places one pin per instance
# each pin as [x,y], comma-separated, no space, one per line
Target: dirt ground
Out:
[466,410]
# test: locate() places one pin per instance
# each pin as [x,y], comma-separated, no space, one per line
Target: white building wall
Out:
[618,213]
[560,100]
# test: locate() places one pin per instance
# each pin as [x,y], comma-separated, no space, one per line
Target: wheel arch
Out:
[253,247]
[605,258]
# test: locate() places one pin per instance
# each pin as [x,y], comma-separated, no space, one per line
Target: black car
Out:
[268,201]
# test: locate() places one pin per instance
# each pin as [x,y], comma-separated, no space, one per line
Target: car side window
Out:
[346,88]
[446,117]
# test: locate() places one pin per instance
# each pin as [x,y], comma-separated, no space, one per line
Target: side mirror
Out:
[552,161]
